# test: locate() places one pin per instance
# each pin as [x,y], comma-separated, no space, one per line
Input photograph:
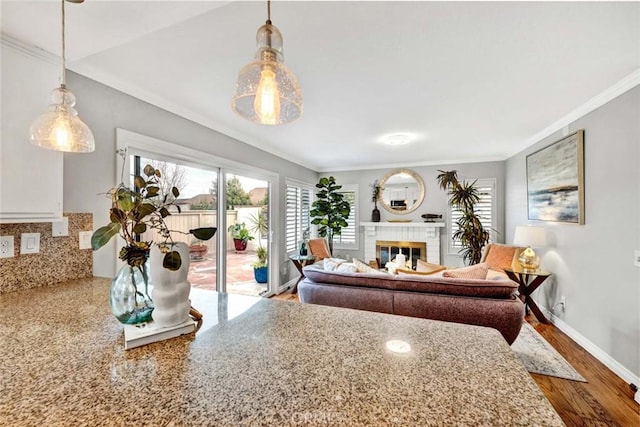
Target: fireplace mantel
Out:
[428,232]
[403,224]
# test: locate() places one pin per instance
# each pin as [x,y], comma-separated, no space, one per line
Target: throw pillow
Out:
[347,267]
[331,264]
[363,267]
[478,271]
[499,257]
[427,267]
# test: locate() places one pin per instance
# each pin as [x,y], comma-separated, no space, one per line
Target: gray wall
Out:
[435,200]
[88,176]
[593,263]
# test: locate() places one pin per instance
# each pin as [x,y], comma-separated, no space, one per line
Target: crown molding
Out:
[622,86]
[28,49]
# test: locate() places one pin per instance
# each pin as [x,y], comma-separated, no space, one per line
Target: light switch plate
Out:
[60,228]
[85,239]
[6,247]
[29,243]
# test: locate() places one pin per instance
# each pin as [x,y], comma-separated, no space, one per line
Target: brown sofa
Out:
[491,302]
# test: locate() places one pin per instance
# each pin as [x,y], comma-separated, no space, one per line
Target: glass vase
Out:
[130,295]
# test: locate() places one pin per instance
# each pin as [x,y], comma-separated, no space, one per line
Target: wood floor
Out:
[605,400]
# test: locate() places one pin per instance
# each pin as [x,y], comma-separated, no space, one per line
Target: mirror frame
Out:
[419,200]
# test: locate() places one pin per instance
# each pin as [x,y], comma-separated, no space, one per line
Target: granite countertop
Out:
[254,362]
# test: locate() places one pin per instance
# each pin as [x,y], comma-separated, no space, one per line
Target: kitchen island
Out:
[253,362]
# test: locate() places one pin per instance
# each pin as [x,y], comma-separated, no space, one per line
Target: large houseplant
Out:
[470,233]
[132,212]
[330,210]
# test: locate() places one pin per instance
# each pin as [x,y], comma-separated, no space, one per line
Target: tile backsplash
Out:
[59,258]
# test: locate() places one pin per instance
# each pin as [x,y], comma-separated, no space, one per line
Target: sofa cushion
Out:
[331,264]
[427,267]
[498,288]
[477,271]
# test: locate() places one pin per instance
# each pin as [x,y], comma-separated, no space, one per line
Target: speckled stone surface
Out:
[254,362]
[60,258]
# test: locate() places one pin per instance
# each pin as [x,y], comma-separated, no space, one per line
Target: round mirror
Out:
[402,191]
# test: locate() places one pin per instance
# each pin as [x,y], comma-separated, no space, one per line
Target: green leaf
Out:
[103,234]
[125,200]
[158,174]
[172,261]
[139,182]
[145,209]
[149,170]
[204,233]
[164,212]
[175,192]
[179,209]
[152,191]
[116,215]
[140,228]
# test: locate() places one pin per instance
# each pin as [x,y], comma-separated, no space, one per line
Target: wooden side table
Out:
[529,281]
[300,261]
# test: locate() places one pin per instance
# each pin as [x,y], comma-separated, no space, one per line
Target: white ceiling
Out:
[469,81]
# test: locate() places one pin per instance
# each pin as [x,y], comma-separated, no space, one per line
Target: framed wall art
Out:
[555,181]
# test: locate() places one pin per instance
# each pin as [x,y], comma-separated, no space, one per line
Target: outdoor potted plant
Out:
[197,250]
[240,235]
[470,233]
[132,212]
[259,224]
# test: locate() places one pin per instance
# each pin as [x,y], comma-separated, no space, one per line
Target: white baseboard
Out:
[624,373]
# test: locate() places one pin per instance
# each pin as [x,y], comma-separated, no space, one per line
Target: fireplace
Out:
[386,250]
[421,232]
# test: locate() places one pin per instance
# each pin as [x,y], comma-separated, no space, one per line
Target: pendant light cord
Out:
[64,59]
[268,12]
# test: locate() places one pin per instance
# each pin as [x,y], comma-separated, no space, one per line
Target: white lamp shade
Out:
[530,236]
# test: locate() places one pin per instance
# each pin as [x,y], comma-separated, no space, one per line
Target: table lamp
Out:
[529,236]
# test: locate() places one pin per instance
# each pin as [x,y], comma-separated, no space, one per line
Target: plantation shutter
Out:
[297,215]
[485,209]
[349,237]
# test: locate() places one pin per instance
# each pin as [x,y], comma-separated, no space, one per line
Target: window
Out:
[297,215]
[485,209]
[349,237]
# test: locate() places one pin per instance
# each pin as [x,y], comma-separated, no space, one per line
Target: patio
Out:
[240,280]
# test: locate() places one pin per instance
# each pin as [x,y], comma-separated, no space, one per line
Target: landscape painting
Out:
[555,181]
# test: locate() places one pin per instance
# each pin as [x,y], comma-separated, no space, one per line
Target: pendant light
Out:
[267,92]
[60,128]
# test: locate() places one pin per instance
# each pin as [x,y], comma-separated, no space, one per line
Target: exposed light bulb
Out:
[62,133]
[267,102]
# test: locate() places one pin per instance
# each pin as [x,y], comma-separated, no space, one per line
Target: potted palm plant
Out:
[470,233]
[259,224]
[240,235]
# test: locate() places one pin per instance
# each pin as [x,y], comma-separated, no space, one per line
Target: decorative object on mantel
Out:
[330,210]
[555,181]
[376,189]
[432,217]
[463,196]
[60,128]
[529,236]
[132,213]
[267,92]
[402,191]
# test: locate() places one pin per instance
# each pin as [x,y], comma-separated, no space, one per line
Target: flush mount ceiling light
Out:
[60,128]
[398,139]
[267,92]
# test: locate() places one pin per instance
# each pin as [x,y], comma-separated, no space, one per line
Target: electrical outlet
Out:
[563,301]
[60,228]
[6,247]
[85,239]
[30,243]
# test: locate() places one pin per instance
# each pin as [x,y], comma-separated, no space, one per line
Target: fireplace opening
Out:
[413,251]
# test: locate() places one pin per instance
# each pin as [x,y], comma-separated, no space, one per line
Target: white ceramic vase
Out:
[171,289]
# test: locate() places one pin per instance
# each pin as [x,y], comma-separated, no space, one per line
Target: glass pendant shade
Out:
[60,128]
[267,92]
